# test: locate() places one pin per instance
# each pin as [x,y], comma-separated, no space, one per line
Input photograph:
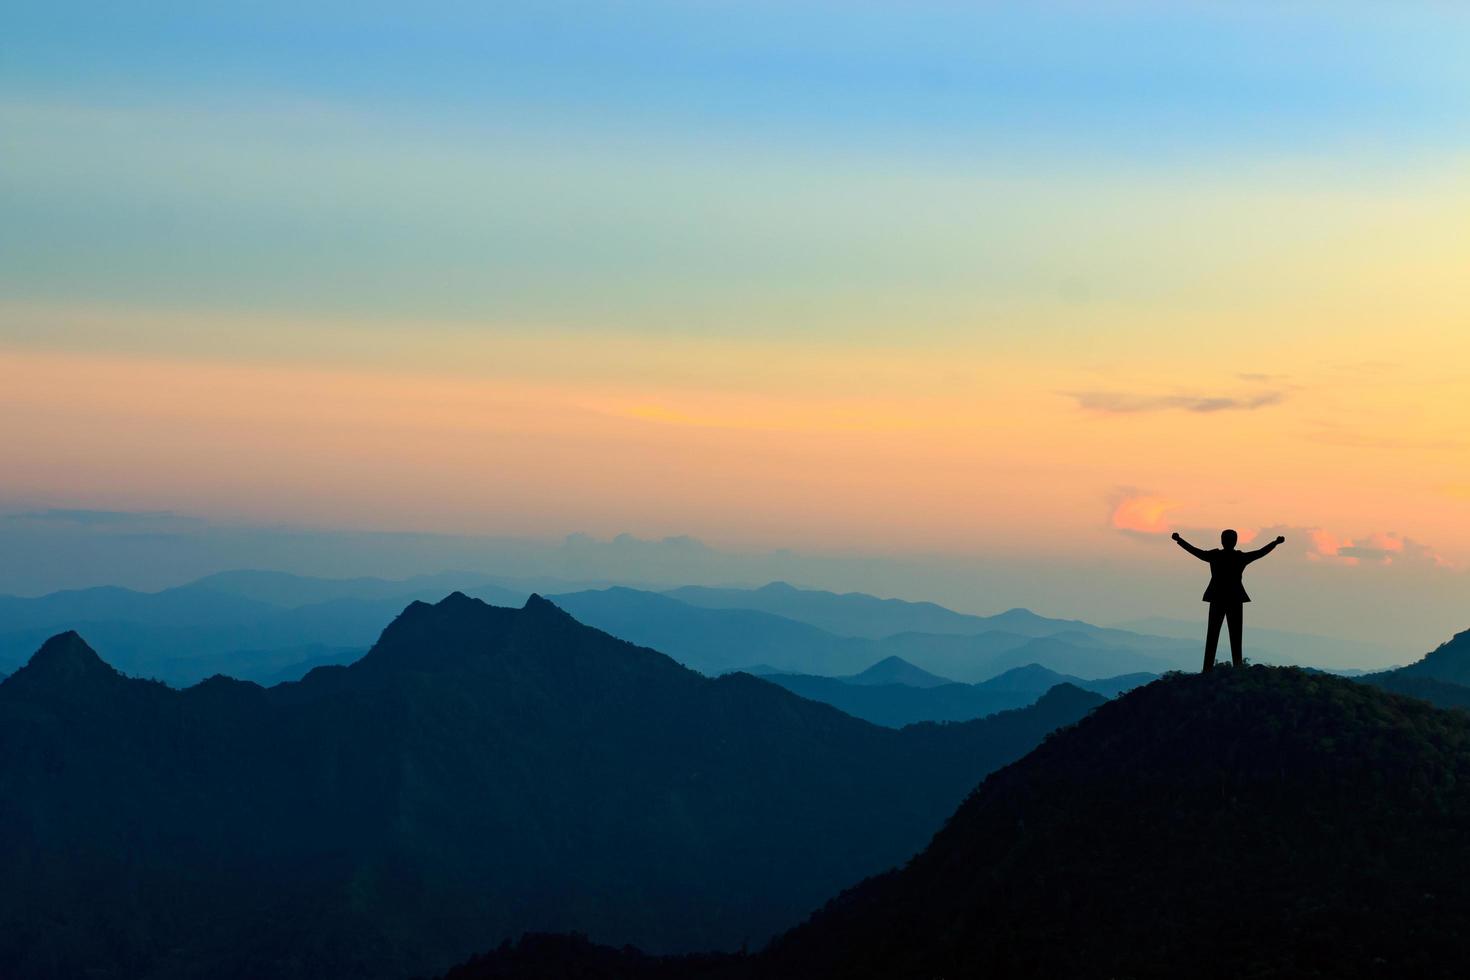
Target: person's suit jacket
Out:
[1226,568]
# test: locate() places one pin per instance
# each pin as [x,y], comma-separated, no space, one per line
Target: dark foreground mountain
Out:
[480,772]
[1264,822]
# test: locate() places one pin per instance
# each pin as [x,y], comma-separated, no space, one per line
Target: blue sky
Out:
[1132,76]
[900,279]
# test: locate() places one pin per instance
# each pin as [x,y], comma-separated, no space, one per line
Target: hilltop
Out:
[1264,822]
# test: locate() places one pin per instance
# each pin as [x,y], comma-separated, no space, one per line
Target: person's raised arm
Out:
[1201,555]
[1251,556]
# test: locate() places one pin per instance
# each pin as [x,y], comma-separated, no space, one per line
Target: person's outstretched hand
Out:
[1175,535]
[1280,539]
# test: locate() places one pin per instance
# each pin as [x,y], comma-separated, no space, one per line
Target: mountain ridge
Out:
[480,769]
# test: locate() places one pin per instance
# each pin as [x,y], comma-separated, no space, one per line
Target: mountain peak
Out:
[896,670]
[542,606]
[459,631]
[67,659]
[1066,695]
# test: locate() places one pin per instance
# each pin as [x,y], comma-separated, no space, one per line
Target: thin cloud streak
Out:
[1123,403]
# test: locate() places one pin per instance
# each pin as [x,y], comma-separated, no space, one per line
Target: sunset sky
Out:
[953,286]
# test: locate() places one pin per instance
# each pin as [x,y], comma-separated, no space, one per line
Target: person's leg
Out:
[1235,616]
[1212,634]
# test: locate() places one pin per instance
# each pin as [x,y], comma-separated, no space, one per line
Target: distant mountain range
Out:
[858,614]
[270,626]
[480,772]
[250,625]
[703,629]
[1264,822]
[897,704]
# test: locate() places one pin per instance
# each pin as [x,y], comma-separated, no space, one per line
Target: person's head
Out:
[1228,539]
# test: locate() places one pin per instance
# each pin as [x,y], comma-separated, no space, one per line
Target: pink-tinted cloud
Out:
[1380,547]
[1325,543]
[1142,513]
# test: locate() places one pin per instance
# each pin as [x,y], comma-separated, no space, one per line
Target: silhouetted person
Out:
[1226,595]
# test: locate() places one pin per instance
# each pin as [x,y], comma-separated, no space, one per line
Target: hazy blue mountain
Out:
[1027,679]
[715,641]
[896,705]
[183,607]
[246,624]
[182,655]
[896,670]
[254,624]
[858,614]
[291,591]
[756,670]
[480,772]
[1111,687]
[1263,822]
[972,659]
[850,614]
[294,663]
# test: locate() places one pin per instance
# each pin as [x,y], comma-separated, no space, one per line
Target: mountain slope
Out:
[1262,822]
[1247,823]
[1441,677]
[1450,661]
[480,772]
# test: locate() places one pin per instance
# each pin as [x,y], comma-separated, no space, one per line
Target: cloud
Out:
[1136,512]
[1123,403]
[1141,513]
[1379,547]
